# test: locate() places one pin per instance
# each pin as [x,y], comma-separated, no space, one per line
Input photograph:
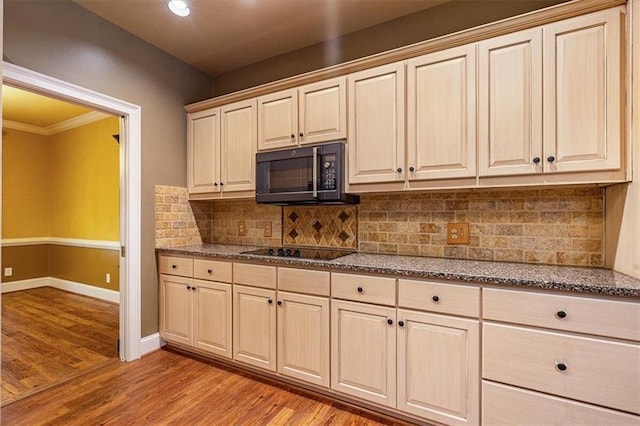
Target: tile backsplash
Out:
[551,226]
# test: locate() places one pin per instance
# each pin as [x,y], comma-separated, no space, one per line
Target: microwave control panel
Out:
[328,175]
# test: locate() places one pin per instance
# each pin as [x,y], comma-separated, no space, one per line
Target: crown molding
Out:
[63,126]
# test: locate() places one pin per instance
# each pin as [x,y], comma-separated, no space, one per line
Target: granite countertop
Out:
[566,278]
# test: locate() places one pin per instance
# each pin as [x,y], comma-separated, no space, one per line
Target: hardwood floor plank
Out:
[168,387]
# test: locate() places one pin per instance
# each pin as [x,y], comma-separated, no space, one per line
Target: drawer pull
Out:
[401,323]
[210,271]
[390,321]
[435,299]
[561,366]
[360,290]
[270,301]
[174,266]
[561,314]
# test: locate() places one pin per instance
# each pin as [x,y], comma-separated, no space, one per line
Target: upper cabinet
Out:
[309,114]
[221,147]
[582,92]
[441,118]
[376,125]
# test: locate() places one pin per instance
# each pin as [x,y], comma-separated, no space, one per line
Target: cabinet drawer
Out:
[586,369]
[610,318]
[173,265]
[442,298]
[304,281]
[254,275]
[506,405]
[363,288]
[212,270]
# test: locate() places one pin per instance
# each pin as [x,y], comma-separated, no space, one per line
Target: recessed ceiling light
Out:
[179,7]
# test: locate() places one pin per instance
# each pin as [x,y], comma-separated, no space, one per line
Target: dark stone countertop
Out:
[564,278]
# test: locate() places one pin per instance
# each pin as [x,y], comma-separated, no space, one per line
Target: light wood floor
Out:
[50,335]
[167,387]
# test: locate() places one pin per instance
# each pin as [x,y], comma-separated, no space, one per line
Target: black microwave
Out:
[303,175]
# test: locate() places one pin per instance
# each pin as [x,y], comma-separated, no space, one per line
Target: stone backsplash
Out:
[551,226]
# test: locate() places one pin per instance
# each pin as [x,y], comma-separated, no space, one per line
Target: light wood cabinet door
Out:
[363,351]
[254,326]
[303,337]
[441,114]
[323,111]
[176,309]
[238,144]
[510,104]
[376,124]
[438,367]
[203,149]
[278,120]
[582,92]
[212,317]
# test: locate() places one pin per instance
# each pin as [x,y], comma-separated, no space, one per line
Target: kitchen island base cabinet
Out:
[303,337]
[363,351]
[254,326]
[438,367]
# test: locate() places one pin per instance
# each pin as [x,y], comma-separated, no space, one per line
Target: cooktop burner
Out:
[299,252]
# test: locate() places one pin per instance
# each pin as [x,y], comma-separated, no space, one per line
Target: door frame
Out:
[130,184]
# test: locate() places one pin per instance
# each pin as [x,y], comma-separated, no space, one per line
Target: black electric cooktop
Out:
[299,252]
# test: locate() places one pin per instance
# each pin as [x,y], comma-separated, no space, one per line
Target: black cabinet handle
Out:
[188,287]
[174,266]
[301,135]
[389,321]
[221,183]
[270,301]
[561,314]
[536,160]
[293,136]
[360,290]
[279,302]
[194,288]
[412,169]
[210,271]
[551,158]
[215,183]
[399,170]
[401,323]
[435,298]
[561,366]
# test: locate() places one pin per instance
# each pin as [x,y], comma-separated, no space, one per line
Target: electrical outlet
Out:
[457,233]
[8,272]
[242,228]
[107,278]
[268,230]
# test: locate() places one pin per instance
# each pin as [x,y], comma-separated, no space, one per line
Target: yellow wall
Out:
[85,182]
[25,189]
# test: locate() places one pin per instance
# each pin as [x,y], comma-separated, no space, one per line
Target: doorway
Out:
[130,180]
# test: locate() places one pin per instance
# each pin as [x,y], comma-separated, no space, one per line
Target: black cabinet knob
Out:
[389,321]
[536,160]
[561,314]
[551,158]
[561,366]
[399,170]
[188,287]
[194,288]
[279,302]
[174,266]
[301,135]
[412,169]
[293,136]
[221,183]
[435,298]
[360,289]
[210,271]
[270,301]
[401,323]
[215,183]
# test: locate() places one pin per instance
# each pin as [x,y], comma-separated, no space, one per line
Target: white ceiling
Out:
[223,35]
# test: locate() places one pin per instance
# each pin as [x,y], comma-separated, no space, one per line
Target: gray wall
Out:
[63,40]
[440,20]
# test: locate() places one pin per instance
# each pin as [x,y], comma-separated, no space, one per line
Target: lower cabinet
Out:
[363,351]
[254,326]
[303,337]
[176,309]
[438,367]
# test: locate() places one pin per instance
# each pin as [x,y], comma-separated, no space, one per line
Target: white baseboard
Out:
[24,284]
[73,287]
[151,343]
